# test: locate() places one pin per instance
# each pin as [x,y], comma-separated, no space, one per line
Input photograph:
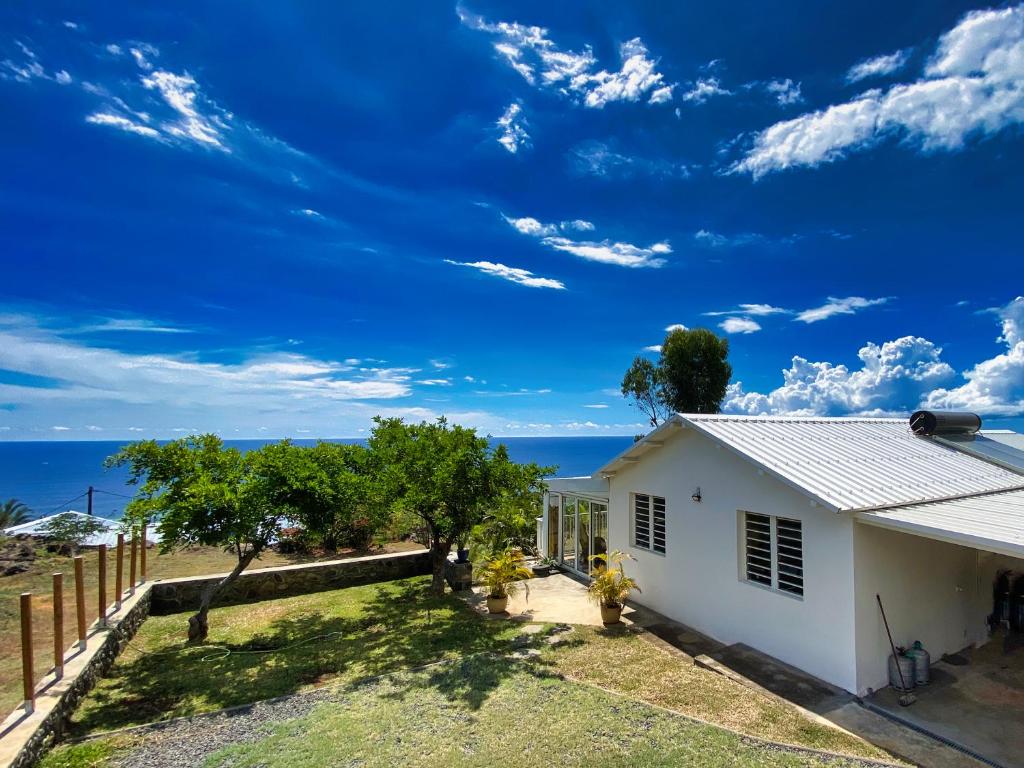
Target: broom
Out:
[906,698]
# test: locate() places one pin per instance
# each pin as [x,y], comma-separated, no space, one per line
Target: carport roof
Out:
[993,522]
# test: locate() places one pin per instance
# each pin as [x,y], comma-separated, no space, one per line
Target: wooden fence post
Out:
[80,600]
[119,573]
[28,677]
[58,625]
[131,571]
[102,578]
[142,555]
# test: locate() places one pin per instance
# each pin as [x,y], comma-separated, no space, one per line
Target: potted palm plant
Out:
[610,586]
[501,576]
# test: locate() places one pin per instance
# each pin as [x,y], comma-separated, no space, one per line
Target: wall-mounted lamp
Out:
[696,496]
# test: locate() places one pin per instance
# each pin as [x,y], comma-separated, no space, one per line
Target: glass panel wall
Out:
[554,512]
[599,522]
[569,531]
[583,535]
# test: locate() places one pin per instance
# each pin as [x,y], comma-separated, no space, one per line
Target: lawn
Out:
[343,638]
[481,711]
[38,580]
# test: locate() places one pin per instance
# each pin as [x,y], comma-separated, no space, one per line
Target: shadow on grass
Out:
[399,626]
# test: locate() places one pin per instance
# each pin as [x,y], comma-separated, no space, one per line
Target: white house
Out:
[779,532]
[106,536]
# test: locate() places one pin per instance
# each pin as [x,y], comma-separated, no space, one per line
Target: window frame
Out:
[776,584]
[651,546]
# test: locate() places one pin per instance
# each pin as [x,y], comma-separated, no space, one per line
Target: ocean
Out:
[54,476]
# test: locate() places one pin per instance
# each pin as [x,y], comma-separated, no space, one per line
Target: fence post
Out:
[102,578]
[58,625]
[119,573]
[28,678]
[131,572]
[80,600]
[142,555]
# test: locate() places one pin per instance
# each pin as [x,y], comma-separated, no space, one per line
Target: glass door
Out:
[554,513]
[583,533]
[568,556]
[599,524]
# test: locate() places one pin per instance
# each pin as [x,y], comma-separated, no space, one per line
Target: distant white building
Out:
[779,532]
[108,536]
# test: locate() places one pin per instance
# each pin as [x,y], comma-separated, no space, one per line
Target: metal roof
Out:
[993,522]
[846,464]
[108,536]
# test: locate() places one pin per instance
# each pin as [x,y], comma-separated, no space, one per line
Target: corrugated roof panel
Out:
[993,522]
[107,536]
[853,464]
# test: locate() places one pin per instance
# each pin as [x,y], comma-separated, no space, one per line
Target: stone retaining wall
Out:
[176,595]
[24,738]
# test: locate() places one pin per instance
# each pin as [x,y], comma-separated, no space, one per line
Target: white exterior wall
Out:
[698,580]
[932,591]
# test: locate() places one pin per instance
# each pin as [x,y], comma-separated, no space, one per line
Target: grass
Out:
[484,710]
[38,580]
[463,718]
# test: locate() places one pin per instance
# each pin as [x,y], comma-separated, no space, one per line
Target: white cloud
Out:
[675,327]
[596,405]
[607,252]
[580,225]
[597,158]
[309,213]
[877,66]
[114,49]
[635,79]
[578,425]
[717,240]
[512,128]
[542,63]
[527,225]
[893,378]
[786,92]
[757,310]
[972,85]
[834,306]
[739,325]
[129,325]
[435,382]
[439,365]
[70,25]
[140,53]
[62,77]
[122,123]
[994,386]
[653,348]
[180,92]
[513,274]
[61,429]
[604,251]
[704,89]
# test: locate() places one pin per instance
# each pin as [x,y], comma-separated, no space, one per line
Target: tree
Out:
[201,493]
[691,376]
[695,370]
[642,383]
[447,476]
[328,490]
[72,529]
[13,512]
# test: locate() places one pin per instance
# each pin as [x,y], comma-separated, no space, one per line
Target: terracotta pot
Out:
[496,604]
[610,614]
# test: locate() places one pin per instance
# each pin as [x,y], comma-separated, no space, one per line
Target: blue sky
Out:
[282,219]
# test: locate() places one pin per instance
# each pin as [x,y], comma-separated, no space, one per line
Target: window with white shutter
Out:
[773,552]
[649,528]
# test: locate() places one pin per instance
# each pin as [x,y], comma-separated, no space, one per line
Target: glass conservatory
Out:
[574,526]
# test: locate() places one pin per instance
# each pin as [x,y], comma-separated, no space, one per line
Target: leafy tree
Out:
[72,529]
[695,370]
[643,383]
[446,475]
[328,490]
[201,493]
[13,512]
[691,376]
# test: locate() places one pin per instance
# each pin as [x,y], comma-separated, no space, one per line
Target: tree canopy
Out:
[691,376]
[448,476]
[13,512]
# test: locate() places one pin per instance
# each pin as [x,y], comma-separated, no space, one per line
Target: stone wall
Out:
[176,595]
[26,737]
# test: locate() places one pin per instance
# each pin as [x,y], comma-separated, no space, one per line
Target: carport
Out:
[962,546]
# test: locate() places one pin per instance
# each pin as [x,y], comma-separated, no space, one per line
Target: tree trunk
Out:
[198,624]
[438,558]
